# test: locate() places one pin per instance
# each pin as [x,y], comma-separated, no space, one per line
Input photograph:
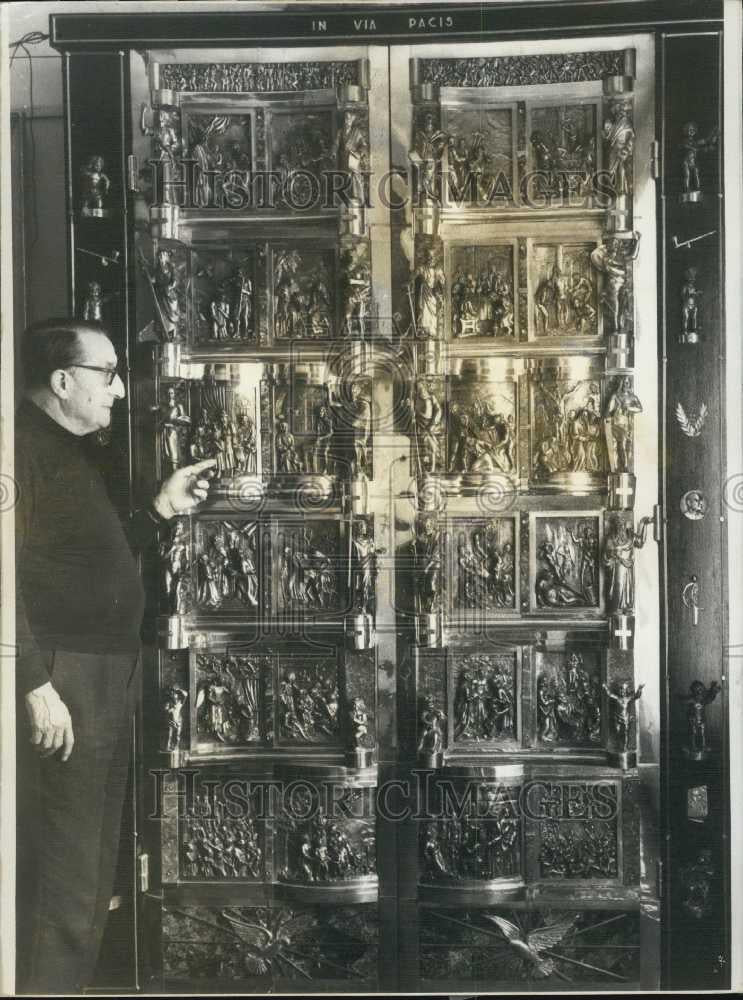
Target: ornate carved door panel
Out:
[521,272]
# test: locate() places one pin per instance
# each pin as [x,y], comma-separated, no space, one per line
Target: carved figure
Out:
[172,423]
[324,430]
[426,551]
[174,698]
[621,406]
[547,709]
[619,559]
[308,704]
[690,296]
[244,303]
[207,589]
[310,578]
[551,298]
[428,287]
[359,721]
[243,573]
[359,420]
[693,505]
[428,418]
[356,279]
[432,719]
[580,295]
[363,568]
[428,147]
[246,452]
[623,701]
[435,865]
[165,288]
[215,696]
[698,698]
[93,303]
[691,145]
[611,259]
[94,186]
[352,151]
[175,560]
[166,137]
[287,459]
[619,137]
[696,879]
[222,326]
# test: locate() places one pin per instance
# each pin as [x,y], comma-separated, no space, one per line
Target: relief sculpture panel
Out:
[567,439]
[482,291]
[569,699]
[484,845]
[480,154]
[564,290]
[218,844]
[308,701]
[326,849]
[224,293]
[563,147]
[484,691]
[484,559]
[228,566]
[231,700]
[567,569]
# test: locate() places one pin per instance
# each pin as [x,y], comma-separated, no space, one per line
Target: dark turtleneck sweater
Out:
[77,583]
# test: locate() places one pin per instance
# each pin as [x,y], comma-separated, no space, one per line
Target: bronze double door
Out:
[396,734]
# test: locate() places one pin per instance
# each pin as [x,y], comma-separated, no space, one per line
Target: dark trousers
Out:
[69,823]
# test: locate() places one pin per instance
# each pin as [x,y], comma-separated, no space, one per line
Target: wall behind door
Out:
[37,140]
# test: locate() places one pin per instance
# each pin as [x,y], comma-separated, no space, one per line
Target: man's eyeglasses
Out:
[111,373]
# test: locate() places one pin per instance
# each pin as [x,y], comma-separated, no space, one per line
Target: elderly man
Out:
[79,610]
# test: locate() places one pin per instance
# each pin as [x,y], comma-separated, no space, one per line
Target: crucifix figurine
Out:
[697,699]
[624,701]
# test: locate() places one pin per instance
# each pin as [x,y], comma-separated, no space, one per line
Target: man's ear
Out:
[59,383]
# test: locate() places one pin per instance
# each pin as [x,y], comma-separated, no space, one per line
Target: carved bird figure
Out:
[530,946]
[691,426]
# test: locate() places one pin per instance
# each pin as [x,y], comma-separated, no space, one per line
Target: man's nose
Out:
[117,387]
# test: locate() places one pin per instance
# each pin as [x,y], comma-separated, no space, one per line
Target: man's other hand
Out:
[51,725]
[184,490]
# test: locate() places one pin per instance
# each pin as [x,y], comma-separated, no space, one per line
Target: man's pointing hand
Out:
[184,490]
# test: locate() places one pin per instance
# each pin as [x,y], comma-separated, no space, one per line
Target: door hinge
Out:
[657,522]
[659,880]
[132,173]
[143,872]
[655,159]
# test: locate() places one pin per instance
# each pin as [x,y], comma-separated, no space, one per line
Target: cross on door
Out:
[625,493]
[623,633]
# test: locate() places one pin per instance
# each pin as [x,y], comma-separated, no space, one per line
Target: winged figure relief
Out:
[691,425]
[532,947]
